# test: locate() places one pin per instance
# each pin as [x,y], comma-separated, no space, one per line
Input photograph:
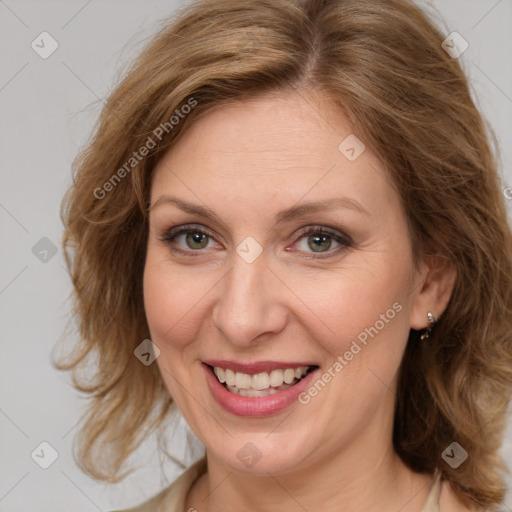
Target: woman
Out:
[289,224]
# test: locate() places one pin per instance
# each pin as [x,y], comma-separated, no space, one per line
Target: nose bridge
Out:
[246,306]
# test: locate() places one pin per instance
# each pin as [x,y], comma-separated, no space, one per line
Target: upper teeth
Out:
[259,381]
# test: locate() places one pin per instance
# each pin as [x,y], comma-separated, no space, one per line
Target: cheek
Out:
[362,312]
[172,301]
[370,323]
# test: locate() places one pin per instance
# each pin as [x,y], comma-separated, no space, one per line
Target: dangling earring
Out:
[431,321]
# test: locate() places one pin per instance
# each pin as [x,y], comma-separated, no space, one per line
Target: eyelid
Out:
[169,234]
[335,233]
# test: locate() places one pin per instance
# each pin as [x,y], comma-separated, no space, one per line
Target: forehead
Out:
[280,146]
[266,127]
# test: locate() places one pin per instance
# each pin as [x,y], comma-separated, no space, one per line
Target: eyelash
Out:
[344,240]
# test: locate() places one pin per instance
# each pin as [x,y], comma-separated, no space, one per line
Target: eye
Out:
[186,239]
[320,240]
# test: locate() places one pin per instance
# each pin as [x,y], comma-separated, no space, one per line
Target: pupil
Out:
[196,240]
[319,243]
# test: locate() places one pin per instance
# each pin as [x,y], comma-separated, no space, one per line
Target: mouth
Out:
[261,383]
[259,389]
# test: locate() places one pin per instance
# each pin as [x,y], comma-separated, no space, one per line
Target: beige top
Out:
[173,497]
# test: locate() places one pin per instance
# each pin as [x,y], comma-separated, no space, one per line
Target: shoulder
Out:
[172,498]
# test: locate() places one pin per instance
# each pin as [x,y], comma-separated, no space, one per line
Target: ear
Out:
[434,286]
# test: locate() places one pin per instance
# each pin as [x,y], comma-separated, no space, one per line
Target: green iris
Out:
[196,240]
[319,243]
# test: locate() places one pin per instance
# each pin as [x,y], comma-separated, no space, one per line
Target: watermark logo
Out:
[44,45]
[44,250]
[249,455]
[454,455]
[455,45]
[249,249]
[248,46]
[351,147]
[147,352]
[44,455]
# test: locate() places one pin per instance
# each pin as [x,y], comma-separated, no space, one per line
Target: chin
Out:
[261,454]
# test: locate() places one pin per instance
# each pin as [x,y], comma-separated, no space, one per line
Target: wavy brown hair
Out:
[382,62]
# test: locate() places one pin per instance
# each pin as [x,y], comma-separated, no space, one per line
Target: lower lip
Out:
[256,407]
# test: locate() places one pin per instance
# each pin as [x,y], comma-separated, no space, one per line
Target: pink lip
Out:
[257,367]
[255,407]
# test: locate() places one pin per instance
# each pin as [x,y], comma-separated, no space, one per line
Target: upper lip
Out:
[255,367]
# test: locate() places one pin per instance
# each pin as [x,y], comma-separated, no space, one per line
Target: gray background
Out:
[48,107]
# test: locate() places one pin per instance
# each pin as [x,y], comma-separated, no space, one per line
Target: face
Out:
[281,264]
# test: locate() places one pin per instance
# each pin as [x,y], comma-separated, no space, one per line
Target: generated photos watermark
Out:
[151,142]
[343,360]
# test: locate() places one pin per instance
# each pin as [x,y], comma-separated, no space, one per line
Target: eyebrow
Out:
[316,206]
[283,216]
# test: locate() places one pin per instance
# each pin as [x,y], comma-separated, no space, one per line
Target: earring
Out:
[431,321]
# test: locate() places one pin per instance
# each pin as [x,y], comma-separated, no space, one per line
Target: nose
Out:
[249,304]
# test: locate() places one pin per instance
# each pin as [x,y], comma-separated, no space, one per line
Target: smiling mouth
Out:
[262,383]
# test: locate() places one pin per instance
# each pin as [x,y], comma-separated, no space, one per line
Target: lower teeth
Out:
[256,392]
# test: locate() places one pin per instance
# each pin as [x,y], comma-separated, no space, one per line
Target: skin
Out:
[246,162]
